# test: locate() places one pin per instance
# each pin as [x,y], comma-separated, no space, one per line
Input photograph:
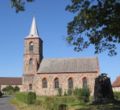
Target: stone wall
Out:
[116,89]
[26,81]
[36,55]
[63,82]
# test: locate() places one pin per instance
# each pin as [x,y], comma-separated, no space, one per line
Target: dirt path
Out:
[4,103]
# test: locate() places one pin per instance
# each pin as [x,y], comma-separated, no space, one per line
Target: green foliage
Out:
[65,93]
[1,94]
[95,22]
[51,104]
[59,91]
[10,90]
[72,105]
[69,92]
[117,95]
[82,94]
[85,94]
[78,93]
[31,97]
[19,5]
[16,89]
[28,98]
[21,96]
[55,102]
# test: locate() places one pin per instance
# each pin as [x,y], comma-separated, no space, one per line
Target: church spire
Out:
[33,30]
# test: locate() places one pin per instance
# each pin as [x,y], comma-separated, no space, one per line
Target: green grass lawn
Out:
[48,103]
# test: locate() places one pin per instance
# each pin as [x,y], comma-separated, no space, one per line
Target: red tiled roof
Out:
[116,83]
[10,81]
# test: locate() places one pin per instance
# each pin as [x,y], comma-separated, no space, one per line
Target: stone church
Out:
[45,76]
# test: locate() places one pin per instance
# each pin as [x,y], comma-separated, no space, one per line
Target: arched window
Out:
[31,46]
[44,83]
[30,86]
[30,64]
[56,83]
[84,81]
[70,83]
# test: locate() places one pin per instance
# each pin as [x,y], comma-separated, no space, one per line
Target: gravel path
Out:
[5,105]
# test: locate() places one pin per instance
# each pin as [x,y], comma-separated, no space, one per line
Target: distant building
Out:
[10,81]
[116,84]
[45,76]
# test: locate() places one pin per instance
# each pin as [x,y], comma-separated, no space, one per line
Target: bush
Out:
[28,98]
[31,98]
[59,91]
[65,94]
[1,94]
[16,89]
[69,92]
[85,94]
[78,93]
[82,93]
[10,90]
[51,103]
[66,99]
[117,95]
[54,103]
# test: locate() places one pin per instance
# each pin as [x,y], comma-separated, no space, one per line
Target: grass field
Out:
[52,103]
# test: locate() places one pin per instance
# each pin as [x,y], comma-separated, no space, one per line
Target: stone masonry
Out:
[36,68]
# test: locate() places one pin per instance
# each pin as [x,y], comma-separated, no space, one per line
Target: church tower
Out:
[32,50]
[32,56]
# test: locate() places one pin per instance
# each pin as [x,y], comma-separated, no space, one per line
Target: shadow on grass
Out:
[110,106]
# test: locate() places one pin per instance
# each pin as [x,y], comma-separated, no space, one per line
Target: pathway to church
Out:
[5,105]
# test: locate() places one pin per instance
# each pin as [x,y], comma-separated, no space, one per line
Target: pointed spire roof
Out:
[33,30]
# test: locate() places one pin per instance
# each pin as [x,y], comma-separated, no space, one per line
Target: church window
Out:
[56,83]
[44,83]
[70,83]
[30,64]
[31,46]
[84,80]
[30,86]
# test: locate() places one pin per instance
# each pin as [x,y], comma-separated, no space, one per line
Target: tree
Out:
[16,89]
[95,22]
[19,4]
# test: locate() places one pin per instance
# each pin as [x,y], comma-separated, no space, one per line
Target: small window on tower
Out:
[30,87]
[30,64]
[31,46]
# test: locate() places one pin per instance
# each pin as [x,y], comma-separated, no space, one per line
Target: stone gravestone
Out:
[103,90]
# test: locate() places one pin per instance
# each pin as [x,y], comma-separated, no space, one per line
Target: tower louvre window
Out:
[30,87]
[31,47]
[56,83]
[70,83]
[30,64]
